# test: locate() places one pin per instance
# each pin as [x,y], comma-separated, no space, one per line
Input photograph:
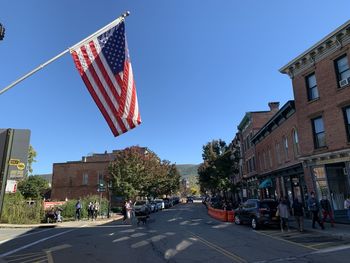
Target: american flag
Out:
[104,65]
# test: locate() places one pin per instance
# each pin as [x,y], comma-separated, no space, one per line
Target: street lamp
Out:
[2,32]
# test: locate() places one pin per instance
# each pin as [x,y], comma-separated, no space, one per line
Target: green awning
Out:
[265,184]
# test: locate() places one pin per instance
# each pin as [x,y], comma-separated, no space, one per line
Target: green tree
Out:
[138,171]
[31,159]
[33,187]
[218,167]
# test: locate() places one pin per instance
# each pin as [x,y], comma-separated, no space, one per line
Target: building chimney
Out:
[274,106]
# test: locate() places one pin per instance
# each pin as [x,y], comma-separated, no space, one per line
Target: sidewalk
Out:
[341,231]
[66,224]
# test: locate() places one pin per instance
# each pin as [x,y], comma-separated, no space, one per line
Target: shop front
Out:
[333,181]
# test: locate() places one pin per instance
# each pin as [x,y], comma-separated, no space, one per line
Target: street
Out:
[183,233]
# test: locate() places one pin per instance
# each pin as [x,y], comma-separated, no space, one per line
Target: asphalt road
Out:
[184,233]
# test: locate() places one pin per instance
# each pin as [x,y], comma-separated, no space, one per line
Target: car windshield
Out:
[140,202]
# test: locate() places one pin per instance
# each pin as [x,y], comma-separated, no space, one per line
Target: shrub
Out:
[17,210]
[68,212]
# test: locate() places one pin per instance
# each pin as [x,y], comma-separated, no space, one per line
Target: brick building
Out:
[249,126]
[75,179]
[280,172]
[321,85]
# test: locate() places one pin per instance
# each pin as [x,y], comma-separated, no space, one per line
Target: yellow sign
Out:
[14,161]
[21,166]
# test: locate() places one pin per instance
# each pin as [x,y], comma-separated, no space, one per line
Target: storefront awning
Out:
[265,184]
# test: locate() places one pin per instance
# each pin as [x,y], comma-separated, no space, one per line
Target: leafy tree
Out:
[33,187]
[218,167]
[138,171]
[31,159]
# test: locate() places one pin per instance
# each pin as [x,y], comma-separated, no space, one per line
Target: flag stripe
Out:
[104,65]
[93,93]
[97,83]
[101,100]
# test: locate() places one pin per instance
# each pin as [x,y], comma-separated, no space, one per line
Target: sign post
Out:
[14,146]
[6,138]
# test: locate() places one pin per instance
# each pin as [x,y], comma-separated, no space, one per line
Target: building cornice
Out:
[323,48]
[283,114]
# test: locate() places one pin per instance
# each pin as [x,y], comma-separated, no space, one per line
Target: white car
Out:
[160,203]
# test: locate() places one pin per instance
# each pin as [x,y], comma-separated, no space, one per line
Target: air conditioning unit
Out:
[343,82]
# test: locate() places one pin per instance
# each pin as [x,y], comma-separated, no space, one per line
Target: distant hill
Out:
[187,170]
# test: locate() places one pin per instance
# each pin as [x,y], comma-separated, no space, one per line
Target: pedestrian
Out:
[124,212]
[314,207]
[91,211]
[298,212]
[347,205]
[128,207]
[96,209]
[283,212]
[78,210]
[326,210]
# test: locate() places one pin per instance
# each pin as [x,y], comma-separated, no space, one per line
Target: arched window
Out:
[285,144]
[295,142]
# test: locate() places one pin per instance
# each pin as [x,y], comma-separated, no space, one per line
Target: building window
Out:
[312,91]
[318,132]
[346,112]
[285,143]
[85,179]
[270,157]
[264,160]
[253,163]
[100,178]
[295,142]
[343,71]
[278,154]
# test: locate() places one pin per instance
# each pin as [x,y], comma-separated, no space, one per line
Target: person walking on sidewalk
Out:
[298,212]
[283,211]
[314,207]
[78,210]
[326,210]
[347,205]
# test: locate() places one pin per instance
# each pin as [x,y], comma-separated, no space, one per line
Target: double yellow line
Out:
[222,251]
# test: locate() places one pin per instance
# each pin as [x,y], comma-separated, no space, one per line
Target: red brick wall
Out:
[269,142]
[67,179]
[329,105]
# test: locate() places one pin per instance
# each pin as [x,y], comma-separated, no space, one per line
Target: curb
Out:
[63,224]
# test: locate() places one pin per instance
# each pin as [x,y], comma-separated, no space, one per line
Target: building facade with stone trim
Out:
[280,172]
[321,84]
[248,127]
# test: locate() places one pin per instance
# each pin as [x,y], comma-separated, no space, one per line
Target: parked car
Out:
[167,203]
[257,213]
[160,203]
[189,199]
[154,206]
[141,208]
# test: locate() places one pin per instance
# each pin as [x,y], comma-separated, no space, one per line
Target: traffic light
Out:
[2,32]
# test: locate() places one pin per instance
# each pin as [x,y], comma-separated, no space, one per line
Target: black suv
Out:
[257,213]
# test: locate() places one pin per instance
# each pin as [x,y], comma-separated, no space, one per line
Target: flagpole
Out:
[113,23]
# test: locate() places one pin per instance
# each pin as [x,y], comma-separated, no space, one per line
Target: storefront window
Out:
[321,181]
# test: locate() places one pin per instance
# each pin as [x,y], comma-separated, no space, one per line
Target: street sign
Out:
[101,189]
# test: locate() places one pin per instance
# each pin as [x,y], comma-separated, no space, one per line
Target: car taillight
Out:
[261,210]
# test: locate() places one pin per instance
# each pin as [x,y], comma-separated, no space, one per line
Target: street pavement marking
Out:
[219,249]
[19,236]
[331,249]
[320,244]
[22,257]
[37,242]
[285,240]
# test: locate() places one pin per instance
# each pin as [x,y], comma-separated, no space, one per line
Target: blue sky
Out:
[199,65]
